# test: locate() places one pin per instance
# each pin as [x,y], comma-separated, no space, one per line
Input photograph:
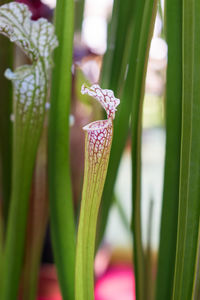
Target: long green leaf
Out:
[148,10]
[112,36]
[61,206]
[79,11]
[121,122]
[118,45]
[196,285]
[149,282]
[168,234]
[122,46]
[189,204]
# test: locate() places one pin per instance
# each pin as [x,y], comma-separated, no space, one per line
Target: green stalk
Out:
[139,30]
[148,19]
[23,162]
[36,227]
[116,57]
[196,285]
[148,256]
[168,233]
[97,151]
[112,37]
[61,206]
[189,204]
[122,213]
[79,11]
[122,45]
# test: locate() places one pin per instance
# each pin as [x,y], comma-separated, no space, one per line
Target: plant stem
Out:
[137,36]
[189,193]
[36,227]
[112,36]
[196,285]
[79,11]
[148,255]
[61,206]
[148,19]
[173,107]
[24,152]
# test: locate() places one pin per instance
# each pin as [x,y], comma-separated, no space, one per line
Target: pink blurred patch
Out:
[51,298]
[116,284]
[48,288]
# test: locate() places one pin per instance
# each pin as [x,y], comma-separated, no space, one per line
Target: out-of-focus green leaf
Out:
[189,193]
[196,285]
[112,35]
[123,116]
[119,45]
[173,107]
[79,11]
[61,206]
[122,213]
[148,10]
[149,282]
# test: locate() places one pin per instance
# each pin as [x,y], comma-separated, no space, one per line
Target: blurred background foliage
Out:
[147,52]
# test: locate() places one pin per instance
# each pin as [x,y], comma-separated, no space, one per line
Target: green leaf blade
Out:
[61,205]
[189,206]
[122,121]
[173,106]
[147,10]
